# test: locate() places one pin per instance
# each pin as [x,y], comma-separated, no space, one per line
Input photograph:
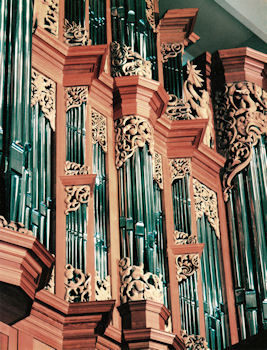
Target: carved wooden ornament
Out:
[76,195]
[99,130]
[180,167]
[194,342]
[46,12]
[15,226]
[75,34]
[75,96]
[184,238]
[102,288]
[186,265]
[157,169]
[169,50]
[77,285]
[72,168]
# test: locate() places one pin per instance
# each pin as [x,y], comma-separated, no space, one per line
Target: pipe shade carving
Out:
[125,62]
[131,132]
[76,195]
[43,91]
[46,13]
[241,119]
[157,170]
[178,109]
[72,168]
[102,288]
[184,238]
[15,226]
[186,265]
[99,130]
[150,13]
[77,285]
[75,34]
[179,168]
[206,203]
[171,50]
[137,285]
[194,342]
[75,96]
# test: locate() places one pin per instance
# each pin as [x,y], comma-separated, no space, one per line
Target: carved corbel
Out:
[206,204]
[43,91]
[99,130]
[170,50]
[157,170]
[194,342]
[186,265]
[241,119]
[131,132]
[125,62]
[77,285]
[180,167]
[137,285]
[75,34]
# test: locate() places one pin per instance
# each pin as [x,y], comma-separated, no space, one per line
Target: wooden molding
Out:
[177,26]
[25,267]
[244,64]
[65,325]
[181,249]
[76,180]
[139,96]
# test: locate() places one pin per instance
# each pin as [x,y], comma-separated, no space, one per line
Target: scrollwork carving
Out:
[99,130]
[186,265]
[177,109]
[77,285]
[76,195]
[75,34]
[43,91]
[184,238]
[72,168]
[19,227]
[206,203]
[131,132]
[157,170]
[47,13]
[179,168]
[124,62]
[102,288]
[150,13]
[241,119]
[137,285]
[194,342]
[170,50]
[75,96]
[51,283]
[199,100]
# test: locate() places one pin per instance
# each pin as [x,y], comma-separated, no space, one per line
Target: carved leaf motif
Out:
[150,13]
[241,119]
[126,62]
[99,130]
[46,13]
[75,34]
[102,288]
[77,285]
[72,168]
[169,50]
[206,203]
[199,100]
[19,227]
[137,285]
[75,96]
[43,91]
[76,195]
[177,109]
[157,170]
[131,132]
[186,265]
[180,167]
[184,238]
[194,342]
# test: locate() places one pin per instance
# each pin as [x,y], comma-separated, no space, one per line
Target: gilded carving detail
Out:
[178,109]
[157,170]
[43,91]
[194,342]
[241,119]
[102,288]
[137,285]
[76,195]
[186,265]
[75,96]
[199,100]
[206,203]
[46,13]
[170,50]
[19,227]
[72,168]
[180,167]
[150,13]
[99,130]
[184,238]
[131,132]
[124,61]
[75,34]
[77,285]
